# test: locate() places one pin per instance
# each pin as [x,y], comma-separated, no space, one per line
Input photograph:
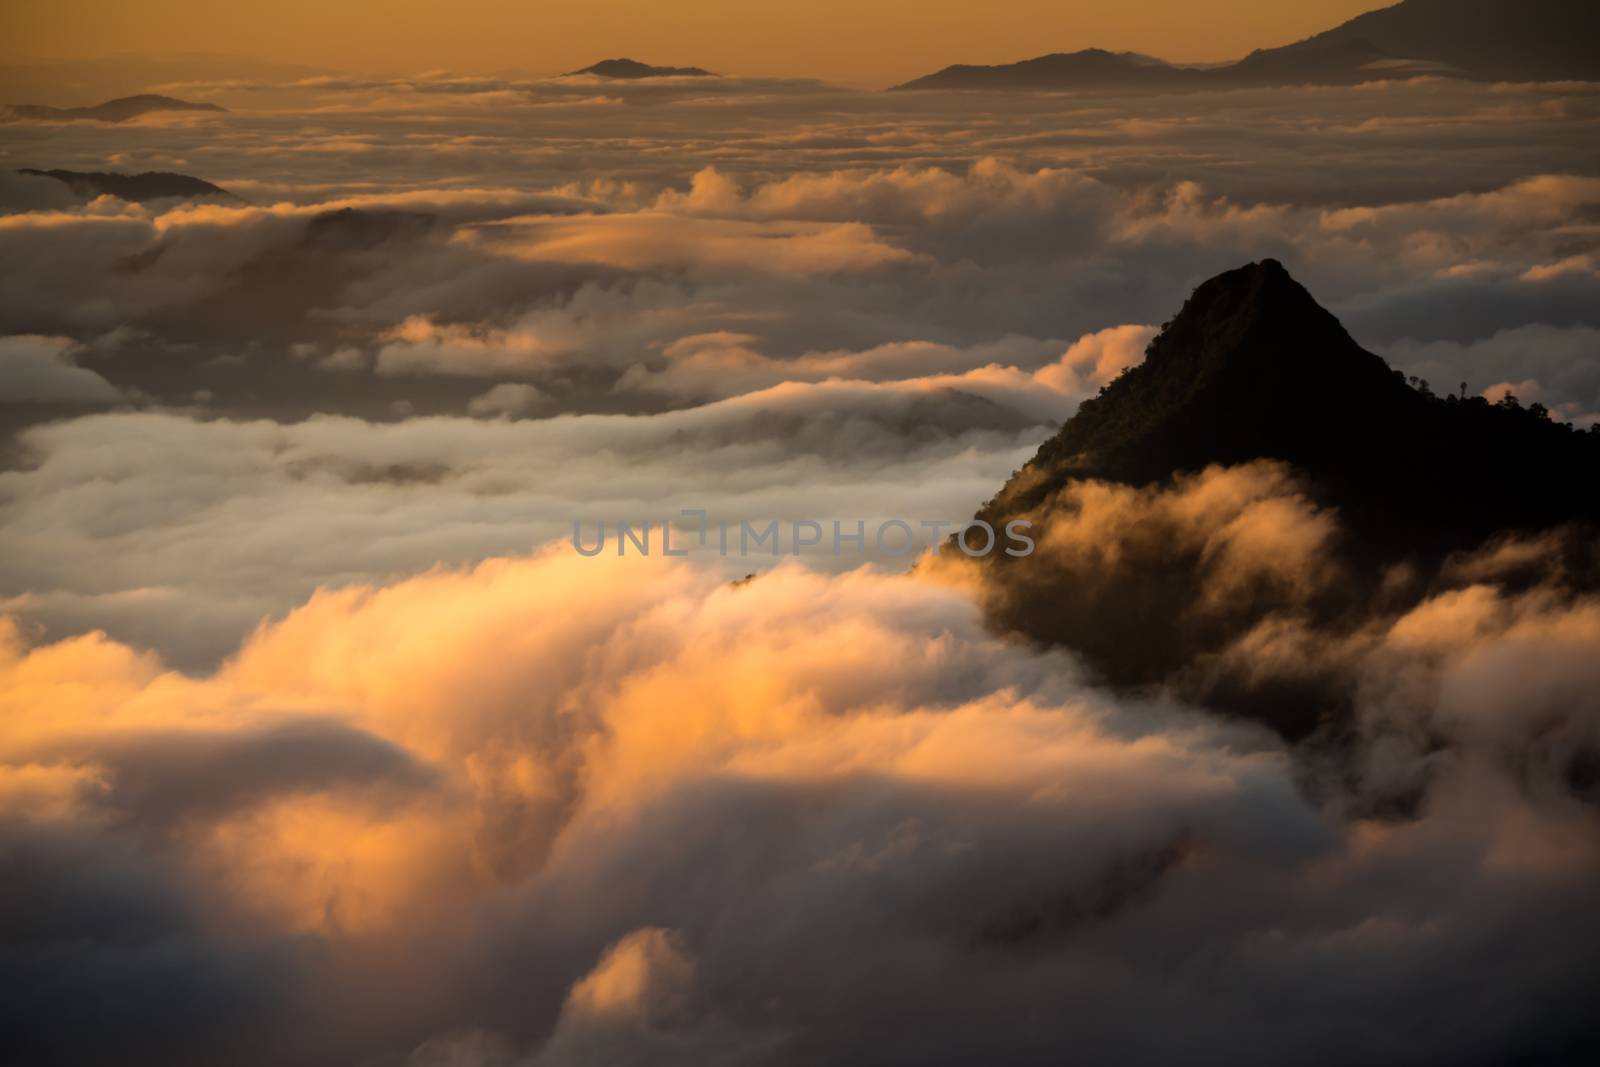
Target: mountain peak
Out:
[1265,280]
[1257,315]
[1254,296]
[1265,271]
[136,188]
[1253,367]
[632,69]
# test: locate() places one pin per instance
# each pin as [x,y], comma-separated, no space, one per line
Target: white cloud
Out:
[40,370]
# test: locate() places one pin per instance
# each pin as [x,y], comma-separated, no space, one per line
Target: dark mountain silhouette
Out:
[1253,369]
[1092,68]
[1322,61]
[119,110]
[1512,40]
[632,69]
[137,188]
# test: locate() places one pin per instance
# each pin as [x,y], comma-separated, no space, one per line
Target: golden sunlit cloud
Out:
[330,333]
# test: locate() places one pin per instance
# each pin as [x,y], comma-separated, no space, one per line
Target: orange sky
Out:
[869,42]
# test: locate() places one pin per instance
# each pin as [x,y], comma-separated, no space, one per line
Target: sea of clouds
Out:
[318,744]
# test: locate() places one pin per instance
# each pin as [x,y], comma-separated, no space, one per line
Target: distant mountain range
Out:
[1497,40]
[119,110]
[632,69]
[136,188]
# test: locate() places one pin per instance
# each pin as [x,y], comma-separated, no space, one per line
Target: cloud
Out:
[39,370]
[1145,580]
[310,753]
[1558,365]
[646,240]
[507,398]
[478,252]
[637,1006]
[191,507]
[33,192]
[864,820]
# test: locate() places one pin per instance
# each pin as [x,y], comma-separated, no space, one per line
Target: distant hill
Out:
[119,110]
[632,69]
[1092,68]
[136,188]
[1511,40]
